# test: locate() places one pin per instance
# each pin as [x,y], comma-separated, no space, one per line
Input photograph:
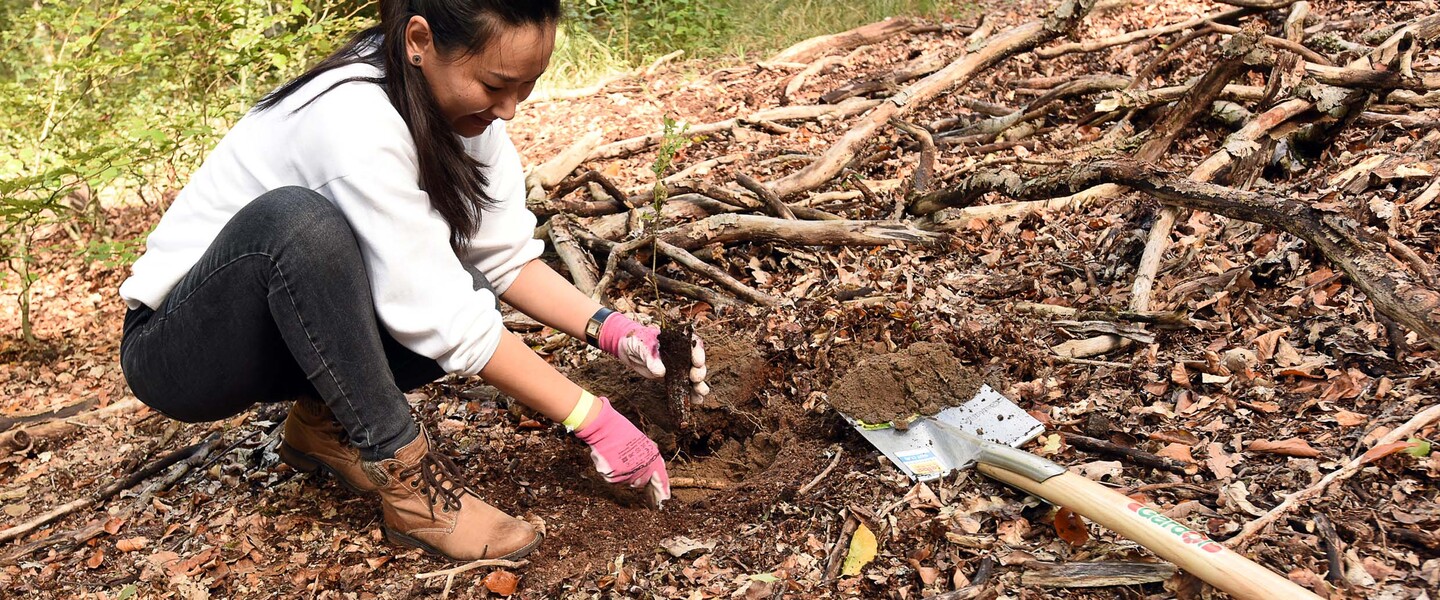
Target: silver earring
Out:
[415,58]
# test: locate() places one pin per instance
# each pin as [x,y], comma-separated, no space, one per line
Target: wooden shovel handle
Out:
[1190,550]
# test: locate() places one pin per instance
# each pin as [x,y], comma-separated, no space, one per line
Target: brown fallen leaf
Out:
[132,544]
[112,526]
[95,559]
[1385,450]
[501,582]
[1219,461]
[1071,527]
[1350,419]
[1180,452]
[1287,447]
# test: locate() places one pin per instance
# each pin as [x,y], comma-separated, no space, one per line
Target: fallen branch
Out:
[1000,47]
[1373,79]
[815,68]
[550,173]
[1165,319]
[810,49]
[777,208]
[692,262]
[925,169]
[69,410]
[916,69]
[1416,423]
[1129,455]
[635,144]
[24,437]
[1094,574]
[581,265]
[1342,241]
[726,228]
[1237,145]
[1142,34]
[193,454]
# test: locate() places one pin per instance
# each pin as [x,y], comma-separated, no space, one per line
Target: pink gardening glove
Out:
[624,455]
[638,346]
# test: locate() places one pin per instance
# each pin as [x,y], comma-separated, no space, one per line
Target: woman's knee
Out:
[304,223]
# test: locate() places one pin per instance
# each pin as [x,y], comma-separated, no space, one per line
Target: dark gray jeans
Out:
[277,308]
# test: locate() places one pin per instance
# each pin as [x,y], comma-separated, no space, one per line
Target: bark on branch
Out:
[1342,241]
[1000,47]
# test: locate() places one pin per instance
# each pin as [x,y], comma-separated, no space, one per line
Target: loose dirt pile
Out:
[924,378]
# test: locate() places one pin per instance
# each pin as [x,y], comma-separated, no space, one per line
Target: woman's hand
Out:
[622,453]
[638,346]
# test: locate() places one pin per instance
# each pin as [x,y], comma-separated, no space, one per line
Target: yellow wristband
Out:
[581,410]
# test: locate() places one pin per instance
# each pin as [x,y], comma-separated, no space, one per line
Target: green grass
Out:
[770,26]
[604,37]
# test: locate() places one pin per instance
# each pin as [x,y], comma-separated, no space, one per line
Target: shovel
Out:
[983,433]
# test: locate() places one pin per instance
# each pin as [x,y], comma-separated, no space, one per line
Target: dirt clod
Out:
[924,378]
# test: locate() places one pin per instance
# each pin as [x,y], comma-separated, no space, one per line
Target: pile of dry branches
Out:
[1314,88]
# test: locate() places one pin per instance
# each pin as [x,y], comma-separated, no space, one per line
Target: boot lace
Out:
[440,478]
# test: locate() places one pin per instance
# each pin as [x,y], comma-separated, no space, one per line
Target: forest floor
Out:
[1280,372]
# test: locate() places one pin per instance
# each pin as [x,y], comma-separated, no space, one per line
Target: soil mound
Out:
[923,378]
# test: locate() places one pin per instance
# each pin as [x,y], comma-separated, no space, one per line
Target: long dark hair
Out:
[454,180]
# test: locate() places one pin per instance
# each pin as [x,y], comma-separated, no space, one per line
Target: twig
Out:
[925,169]
[777,208]
[617,253]
[1133,455]
[1165,319]
[832,562]
[1282,43]
[635,268]
[692,262]
[699,483]
[839,451]
[449,574]
[977,583]
[1419,421]
[1334,549]
[470,566]
[1093,363]
[188,454]
[798,80]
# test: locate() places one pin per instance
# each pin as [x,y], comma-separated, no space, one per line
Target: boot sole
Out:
[305,463]
[401,539]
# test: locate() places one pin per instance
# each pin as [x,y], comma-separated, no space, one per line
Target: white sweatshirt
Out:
[352,147]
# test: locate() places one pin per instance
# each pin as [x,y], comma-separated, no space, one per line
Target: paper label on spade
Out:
[923,463]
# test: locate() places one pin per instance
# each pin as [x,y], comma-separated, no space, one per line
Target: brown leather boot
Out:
[315,441]
[428,505]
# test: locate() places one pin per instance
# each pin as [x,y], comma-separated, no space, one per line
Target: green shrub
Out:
[99,99]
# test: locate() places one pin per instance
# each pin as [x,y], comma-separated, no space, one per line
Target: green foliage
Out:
[122,97]
[643,28]
[672,142]
[640,30]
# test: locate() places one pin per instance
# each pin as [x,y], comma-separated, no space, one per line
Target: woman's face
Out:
[473,90]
